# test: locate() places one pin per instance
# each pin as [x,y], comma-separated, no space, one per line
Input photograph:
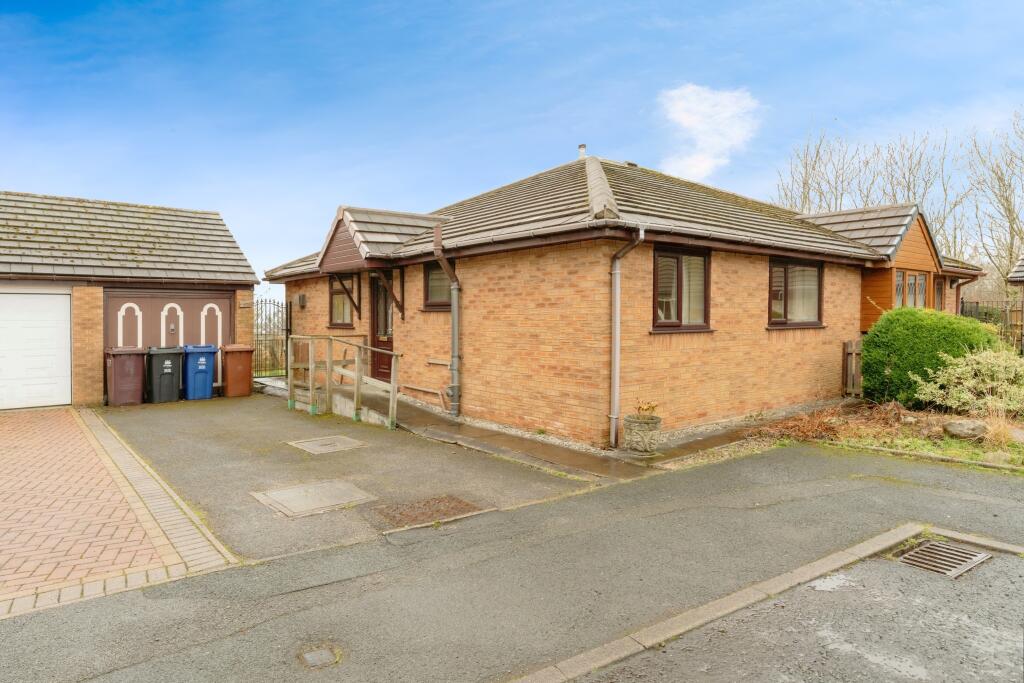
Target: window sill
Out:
[436,309]
[797,326]
[682,330]
[340,326]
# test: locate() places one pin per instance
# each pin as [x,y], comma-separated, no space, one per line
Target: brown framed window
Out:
[343,294]
[939,294]
[794,298]
[681,288]
[437,288]
[911,289]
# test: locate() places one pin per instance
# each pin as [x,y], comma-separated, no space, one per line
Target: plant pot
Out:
[642,433]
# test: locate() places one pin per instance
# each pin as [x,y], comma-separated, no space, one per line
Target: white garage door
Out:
[35,350]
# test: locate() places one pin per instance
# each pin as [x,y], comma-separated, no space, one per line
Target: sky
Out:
[275,113]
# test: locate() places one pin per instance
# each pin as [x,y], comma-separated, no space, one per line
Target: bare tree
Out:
[996,168]
[831,174]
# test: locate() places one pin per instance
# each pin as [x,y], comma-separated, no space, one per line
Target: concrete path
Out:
[503,594]
[81,517]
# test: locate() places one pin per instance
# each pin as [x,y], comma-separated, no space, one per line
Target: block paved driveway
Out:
[72,525]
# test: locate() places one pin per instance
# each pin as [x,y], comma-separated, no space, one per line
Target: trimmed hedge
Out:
[908,341]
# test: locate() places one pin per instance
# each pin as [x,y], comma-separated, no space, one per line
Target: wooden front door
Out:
[381,320]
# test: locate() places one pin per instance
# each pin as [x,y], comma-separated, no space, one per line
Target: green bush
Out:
[983,383]
[909,341]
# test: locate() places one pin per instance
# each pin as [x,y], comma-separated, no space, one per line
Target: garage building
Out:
[78,275]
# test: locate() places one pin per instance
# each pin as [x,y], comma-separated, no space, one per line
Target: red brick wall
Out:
[537,337]
[87,345]
[741,367]
[243,316]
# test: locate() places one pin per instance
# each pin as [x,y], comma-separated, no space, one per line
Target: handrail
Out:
[308,337]
[312,369]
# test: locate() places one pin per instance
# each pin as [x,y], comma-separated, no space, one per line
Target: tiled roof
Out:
[300,266]
[49,236]
[379,234]
[881,228]
[541,204]
[668,204]
[592,191]
[1017,274]
[951,262]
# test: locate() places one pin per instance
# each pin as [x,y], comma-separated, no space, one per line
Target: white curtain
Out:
[693,290]
[803,294]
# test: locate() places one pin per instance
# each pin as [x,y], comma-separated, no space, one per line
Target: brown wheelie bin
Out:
[126,375]
[237,360]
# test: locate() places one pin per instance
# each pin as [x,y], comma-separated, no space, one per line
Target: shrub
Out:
[984,383]
[912,340]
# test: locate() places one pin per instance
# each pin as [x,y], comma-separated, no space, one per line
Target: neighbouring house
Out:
[578,291]
[1016,275]
[915,274]
[78,275]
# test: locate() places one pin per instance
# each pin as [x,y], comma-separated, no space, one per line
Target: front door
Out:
[381,321]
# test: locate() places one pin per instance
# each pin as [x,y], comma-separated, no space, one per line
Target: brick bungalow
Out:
[77,275]
[578,291]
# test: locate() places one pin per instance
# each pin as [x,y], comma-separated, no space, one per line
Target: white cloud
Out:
[712,124]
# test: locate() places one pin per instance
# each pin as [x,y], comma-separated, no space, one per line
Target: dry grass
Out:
[890,425]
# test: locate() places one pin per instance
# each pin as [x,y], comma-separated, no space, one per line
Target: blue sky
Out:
[274,113]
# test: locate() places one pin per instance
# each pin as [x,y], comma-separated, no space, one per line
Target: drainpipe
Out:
[616,273]
[454,390]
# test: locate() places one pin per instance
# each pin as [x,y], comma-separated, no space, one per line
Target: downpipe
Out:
[616,369]
[454,389]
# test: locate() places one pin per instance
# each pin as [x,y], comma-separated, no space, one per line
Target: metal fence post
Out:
[291,376]
[393,395]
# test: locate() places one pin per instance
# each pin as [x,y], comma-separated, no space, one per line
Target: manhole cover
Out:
[425,511]
[309,499]
[943,558]
[326,444]
[320,657]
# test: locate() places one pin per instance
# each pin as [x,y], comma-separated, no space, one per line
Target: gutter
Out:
[454,389]
[616,369]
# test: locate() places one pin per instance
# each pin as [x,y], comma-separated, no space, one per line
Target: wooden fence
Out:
[852,378]
[1005,314]
[306,372]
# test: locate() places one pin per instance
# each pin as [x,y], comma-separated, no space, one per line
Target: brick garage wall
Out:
[243,316]
[422,337]
[536,338]
[741,367]
[87,345]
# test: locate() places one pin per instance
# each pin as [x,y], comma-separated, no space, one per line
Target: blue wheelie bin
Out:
[200,364]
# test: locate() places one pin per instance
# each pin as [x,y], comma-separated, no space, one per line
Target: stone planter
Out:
[642,433]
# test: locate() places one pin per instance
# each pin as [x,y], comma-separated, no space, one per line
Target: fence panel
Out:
[270,336]
[1005,314]
[852,378]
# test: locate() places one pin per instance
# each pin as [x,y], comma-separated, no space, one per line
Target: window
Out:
[911,290]
[342,293]
[938,298]
[794,294]
[437,288]
[680,290]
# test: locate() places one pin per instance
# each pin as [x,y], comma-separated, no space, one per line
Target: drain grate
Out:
[944,558]
[425,511]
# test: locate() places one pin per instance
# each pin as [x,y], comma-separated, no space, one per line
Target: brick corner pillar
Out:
[243,316]
[87,345]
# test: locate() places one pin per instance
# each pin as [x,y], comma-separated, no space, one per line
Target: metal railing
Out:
[317,377]
[270,334]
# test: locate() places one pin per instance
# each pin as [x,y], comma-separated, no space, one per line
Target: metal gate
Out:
[272,323]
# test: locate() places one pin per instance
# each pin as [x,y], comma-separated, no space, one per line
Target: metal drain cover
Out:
[944,558]
[425,511]
[326,444]
[310,499]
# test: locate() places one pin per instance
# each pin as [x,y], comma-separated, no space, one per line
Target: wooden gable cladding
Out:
[341,254]
[876,295]
[916,252]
